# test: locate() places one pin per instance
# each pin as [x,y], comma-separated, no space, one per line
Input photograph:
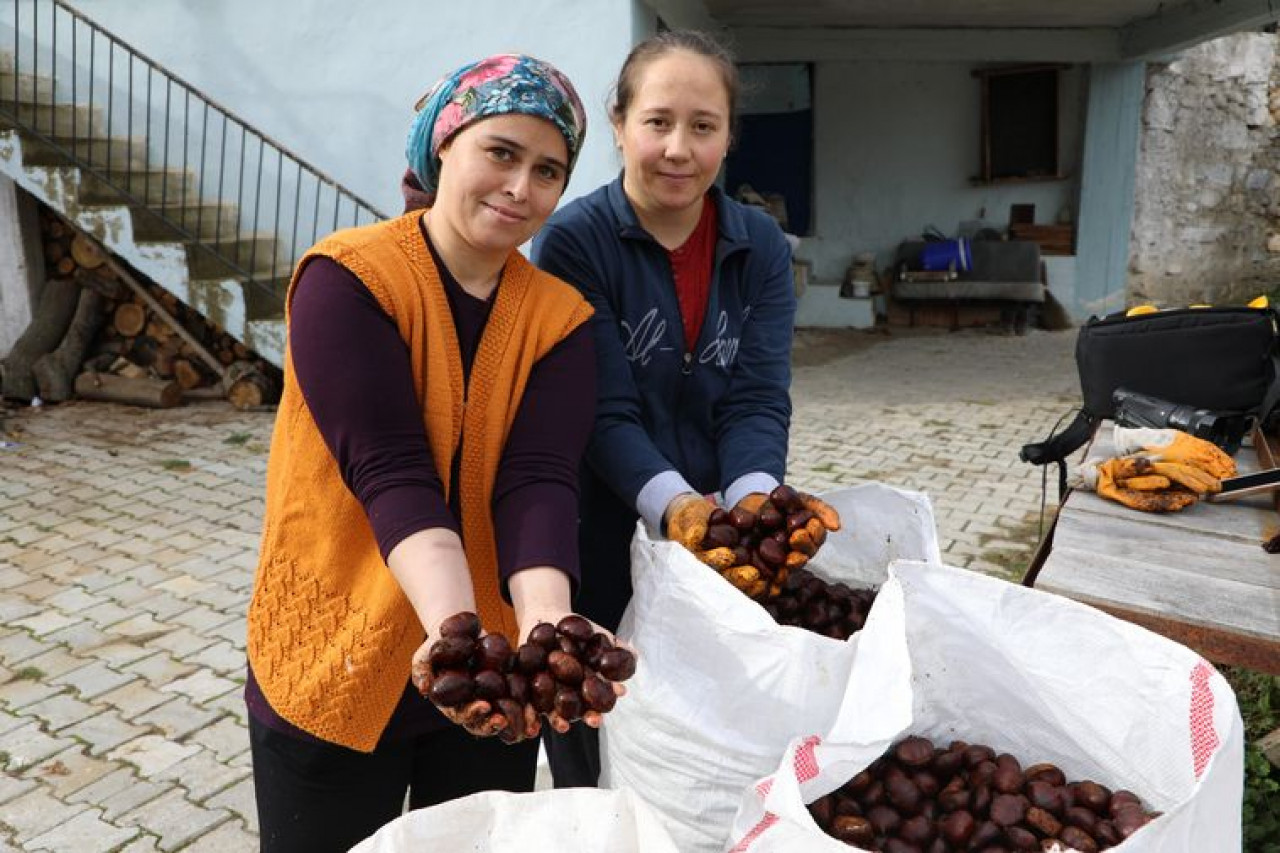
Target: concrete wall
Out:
[896,146]
[335,81]
[1207,201]
[21,262]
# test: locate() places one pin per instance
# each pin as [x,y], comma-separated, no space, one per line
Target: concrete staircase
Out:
[156,219]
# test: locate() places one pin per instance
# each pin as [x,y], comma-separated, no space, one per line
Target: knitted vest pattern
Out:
[330,633]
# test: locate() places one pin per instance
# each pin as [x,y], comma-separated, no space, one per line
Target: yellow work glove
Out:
[1113,478]
[686,520]
[1172,445]
[1139,472]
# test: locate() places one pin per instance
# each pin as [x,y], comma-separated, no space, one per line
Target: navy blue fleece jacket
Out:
[715,417]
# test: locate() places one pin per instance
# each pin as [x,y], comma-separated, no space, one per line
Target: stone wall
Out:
[1207,197]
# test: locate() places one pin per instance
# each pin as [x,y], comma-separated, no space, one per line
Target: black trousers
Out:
[574,757]
[319,797]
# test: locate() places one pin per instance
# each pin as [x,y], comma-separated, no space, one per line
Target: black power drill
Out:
[1225,429]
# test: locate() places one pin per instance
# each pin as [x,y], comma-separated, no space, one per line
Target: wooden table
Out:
[1199,576]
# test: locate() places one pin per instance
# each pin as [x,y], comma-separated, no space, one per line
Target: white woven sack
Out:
[720,688]
[571,820]
[1029,673]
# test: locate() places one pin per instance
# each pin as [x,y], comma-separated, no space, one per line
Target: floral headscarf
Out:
[500,85]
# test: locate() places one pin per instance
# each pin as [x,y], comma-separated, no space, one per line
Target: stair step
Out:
[50,120]
[153,186]
[245,253]
[207,221]
[120,152]
[23,87]
[264,299]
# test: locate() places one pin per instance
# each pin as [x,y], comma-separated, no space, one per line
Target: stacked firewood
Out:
[102,332]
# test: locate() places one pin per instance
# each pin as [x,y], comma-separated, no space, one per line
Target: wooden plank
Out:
[1227,621]
[1197,555]
[1246,521]
[820,43]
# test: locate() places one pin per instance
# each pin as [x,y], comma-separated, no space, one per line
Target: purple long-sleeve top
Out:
[353,369]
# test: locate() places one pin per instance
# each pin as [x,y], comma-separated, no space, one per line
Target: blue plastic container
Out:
[946,255]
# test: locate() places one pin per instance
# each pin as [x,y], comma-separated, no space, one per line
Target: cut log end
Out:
[130,318]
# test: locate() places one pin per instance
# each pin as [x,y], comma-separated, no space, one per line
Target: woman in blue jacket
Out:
[694,310]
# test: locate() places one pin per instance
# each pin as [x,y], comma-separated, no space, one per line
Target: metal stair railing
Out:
[84,87]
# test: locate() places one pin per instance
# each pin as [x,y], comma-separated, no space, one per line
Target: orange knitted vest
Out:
[330,633]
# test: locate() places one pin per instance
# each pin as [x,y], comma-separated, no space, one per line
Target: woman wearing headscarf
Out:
[439,392]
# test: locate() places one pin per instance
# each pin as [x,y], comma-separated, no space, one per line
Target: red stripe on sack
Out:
[767,821]
[763,789]
[1204,737]
[806,763]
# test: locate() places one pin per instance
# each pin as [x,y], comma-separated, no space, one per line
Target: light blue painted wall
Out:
[335,81]
[1114,124]
[896,145]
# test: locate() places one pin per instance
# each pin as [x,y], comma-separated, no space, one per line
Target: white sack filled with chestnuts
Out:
[720,687]
[1035,723]
[572,820]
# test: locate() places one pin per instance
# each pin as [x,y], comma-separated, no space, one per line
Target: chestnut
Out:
[1042,821]
[490,685]
[856,831]
[518,686]
[917,830]
[568,703]
[1093,796]
[565,668]
[464,624]
[598,694]
[885,820]
[903,794]
[576,627]
[1021,839]
[531,658]
[1008,809]
[452,688]
[617,664]
[494,652]
[720,536]
[1007,779]
[957,827]
[821,811]
[897,845]
[595,648]
[543,635]
[743,520]
[1074,836]
[450,652]
[718,516]
[784,498]
[1046,772]
[914,751]
[542,692]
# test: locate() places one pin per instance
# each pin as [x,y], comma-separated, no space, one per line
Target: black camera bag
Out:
[1220,359]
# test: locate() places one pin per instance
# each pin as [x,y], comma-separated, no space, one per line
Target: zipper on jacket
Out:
[686,368]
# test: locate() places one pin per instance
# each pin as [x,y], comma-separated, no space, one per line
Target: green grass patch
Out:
[237,439]
[1258,695]
[175,465]
[29,673]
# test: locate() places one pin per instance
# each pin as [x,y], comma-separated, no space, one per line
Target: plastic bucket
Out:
[946,255]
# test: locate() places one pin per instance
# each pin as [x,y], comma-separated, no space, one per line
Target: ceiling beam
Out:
[685,15]
[779,44]
[1192,22]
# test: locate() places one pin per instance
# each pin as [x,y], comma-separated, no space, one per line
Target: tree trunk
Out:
[48,326]
[142,391]
[54,373]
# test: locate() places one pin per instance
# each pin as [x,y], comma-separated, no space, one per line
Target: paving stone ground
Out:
[128,539]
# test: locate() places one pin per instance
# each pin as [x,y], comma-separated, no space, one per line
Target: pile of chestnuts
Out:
[831,609]
[756,550]
[918,798]
[566,668]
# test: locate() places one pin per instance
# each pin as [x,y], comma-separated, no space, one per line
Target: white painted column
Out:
[21,262]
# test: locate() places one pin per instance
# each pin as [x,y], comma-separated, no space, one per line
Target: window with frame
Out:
[1019,137]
